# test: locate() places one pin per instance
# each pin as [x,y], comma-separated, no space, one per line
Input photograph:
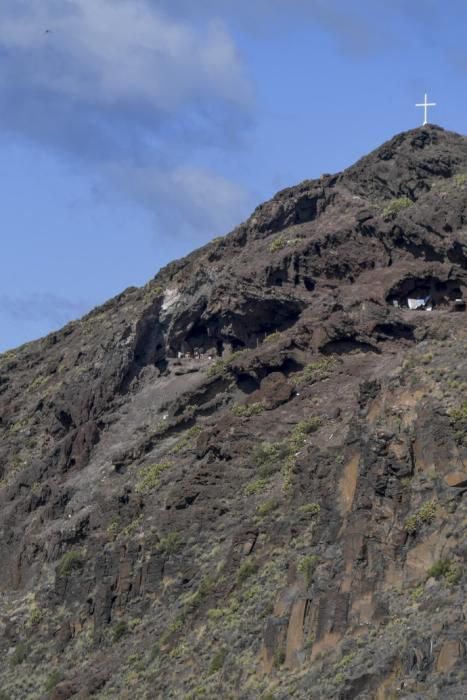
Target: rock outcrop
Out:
[247,479]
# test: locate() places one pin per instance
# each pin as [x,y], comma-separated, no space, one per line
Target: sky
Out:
[133,131]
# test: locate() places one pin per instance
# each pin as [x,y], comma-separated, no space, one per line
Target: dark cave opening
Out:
[426,293]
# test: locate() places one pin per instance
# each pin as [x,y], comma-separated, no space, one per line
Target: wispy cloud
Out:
[122,85]
[194,198]
[350,24]
[41,307]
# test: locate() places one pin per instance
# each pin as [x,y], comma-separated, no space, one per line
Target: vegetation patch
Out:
[149,477]
[36,614]
[120,630]
[460,179]
[345,661]
[194,600]
[221,365]
[272,337]
[458,417]
[280,243]
[267,507]
[169,544]
[113,527]
[187,438]
[315,371]
[53,680]
[256,486]
[310,509]
[396,205]
[279,658]
[217,661]
[267,456]
[416,593]
[307,567]
[19,655]
[424,515]
[71,561]
[248,410]
[133,526]
[295,443]
[247,569]
[39,381]
[447,569]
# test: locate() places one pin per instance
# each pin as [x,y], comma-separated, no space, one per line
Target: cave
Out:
[426,294]
[346,345]
[244,327]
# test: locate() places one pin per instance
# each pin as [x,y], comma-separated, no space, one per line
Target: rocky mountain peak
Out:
[247,478]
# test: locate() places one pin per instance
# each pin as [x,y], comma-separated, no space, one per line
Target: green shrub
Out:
[310,509]
[272,337]
[52,680]
[266,457]
[221,365]
[217,661]
[71,561]
[424,515]
[417,593]
[278,244]
[120,630]
[396,205]
[113,527]
[134,525]
[454,574]
[195,599]
[247,569]
[186,439]
[302,429]
[35,615]
[39,381]
[281,243]
[256,486]
[315,371]
[458,417]
[345,661]
[295,443]
[248,410]
[279,658]
[176,625]
[267,507]
[169,544]
[20,654]
[148,477]
[307,567]
[447,569]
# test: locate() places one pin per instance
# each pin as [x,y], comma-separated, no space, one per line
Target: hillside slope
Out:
[246,479]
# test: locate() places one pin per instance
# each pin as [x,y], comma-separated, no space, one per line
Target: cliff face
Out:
[247,479]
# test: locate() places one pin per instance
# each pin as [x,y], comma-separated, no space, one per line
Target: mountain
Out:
[247,479]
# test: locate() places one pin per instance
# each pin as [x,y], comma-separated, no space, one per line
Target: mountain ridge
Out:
[246,478]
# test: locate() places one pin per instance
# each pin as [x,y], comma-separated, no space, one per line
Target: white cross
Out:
[426,104]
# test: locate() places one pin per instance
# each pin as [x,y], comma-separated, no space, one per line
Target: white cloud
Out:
[118,51]
[124,87]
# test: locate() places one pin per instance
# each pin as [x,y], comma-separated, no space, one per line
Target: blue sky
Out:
[133,131]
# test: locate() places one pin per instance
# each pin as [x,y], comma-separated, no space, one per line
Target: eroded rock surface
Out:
[247,479]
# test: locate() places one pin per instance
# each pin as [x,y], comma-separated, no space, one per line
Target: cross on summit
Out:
[426,104]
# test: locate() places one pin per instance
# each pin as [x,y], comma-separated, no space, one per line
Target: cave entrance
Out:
[426,294]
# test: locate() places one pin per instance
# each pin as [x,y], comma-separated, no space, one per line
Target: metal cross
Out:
[426,104]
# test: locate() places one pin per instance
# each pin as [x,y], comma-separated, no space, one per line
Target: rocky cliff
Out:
[247,479]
